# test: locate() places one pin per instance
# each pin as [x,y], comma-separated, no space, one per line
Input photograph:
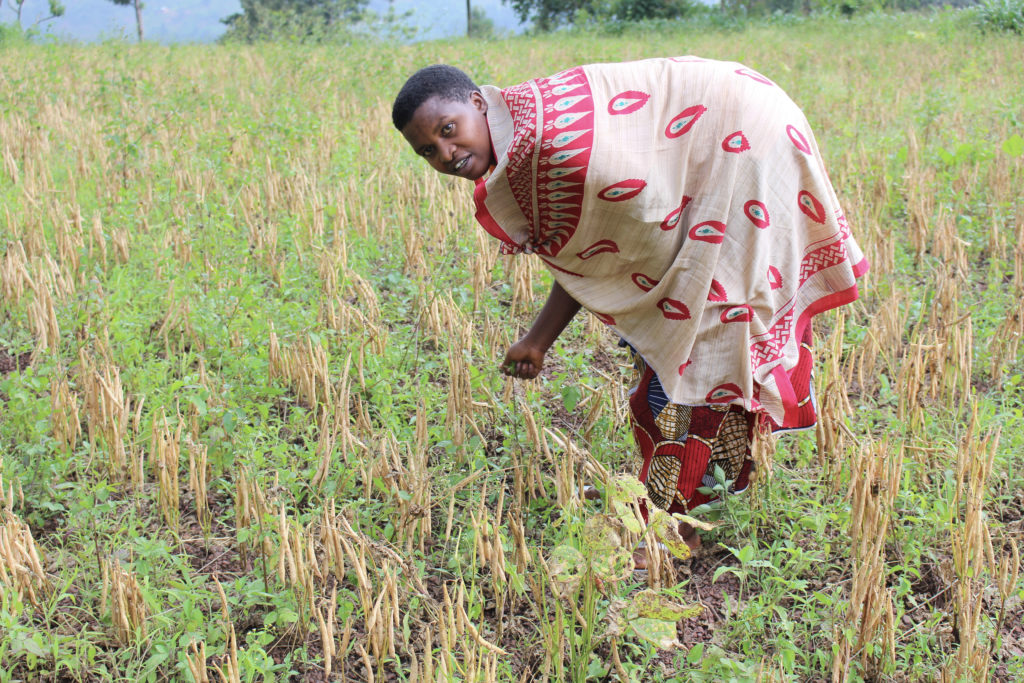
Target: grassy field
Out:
[251,425]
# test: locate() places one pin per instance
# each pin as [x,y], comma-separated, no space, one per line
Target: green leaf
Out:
[964,151]
[694,522]
[695,654]
[1014,145]
[23,643]
[200,405]
[600,535]
[626,488]
[650,604]
[229,421]
[665,528]
[570,397]
[626,516]
[566,565]
[659,633]
[725,570]
[614,565]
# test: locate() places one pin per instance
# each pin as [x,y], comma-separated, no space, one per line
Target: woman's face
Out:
[452,136]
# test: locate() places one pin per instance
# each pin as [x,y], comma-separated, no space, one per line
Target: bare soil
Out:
[10,362]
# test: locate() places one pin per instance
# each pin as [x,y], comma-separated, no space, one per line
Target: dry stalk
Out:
[326,625]
[914,367]
[485,256]
[228,670]
[489,546]
[340,315]
[196,660]
[198,482]
[523,556]
[65,423]
[460,395]
[98,242]
[178,319]
[297,564]
[251,508]
[412,240]
[409,481]
[127,607]
[47,273]
[42,319]
[14,275]
[243,516]
[121,239]
[972,552]
[325,446]
[833,408]
[21,567]
[305,367]
[1018,254]
[107,410]
[533,475]
[521,275]
[364,292]
[330,539]
[1005,341]
[164,460]
[884,334]
[328,267]
[876,471]
[564,465]
[70,243]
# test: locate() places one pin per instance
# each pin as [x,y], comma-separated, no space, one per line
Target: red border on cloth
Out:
[484,218]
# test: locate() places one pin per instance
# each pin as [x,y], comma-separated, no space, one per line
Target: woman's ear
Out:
[478,101]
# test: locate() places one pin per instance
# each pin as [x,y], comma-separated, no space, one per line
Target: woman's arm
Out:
[525,358]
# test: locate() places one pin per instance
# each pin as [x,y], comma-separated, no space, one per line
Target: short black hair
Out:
[437,80]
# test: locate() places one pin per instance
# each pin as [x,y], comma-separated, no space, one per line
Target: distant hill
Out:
[191,21]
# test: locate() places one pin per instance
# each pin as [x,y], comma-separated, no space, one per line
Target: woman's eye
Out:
[448,128]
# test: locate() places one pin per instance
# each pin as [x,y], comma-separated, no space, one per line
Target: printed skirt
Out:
[680,446]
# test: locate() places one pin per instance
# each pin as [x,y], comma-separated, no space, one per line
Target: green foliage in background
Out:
[547,15]
[294,20]
[999,16]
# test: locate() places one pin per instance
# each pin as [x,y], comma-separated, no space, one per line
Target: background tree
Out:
[138,13]
[639,10]
[547,15]
[480,25]
[56,10]
[306,20]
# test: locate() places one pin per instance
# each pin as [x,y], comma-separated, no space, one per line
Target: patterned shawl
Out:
[684,202]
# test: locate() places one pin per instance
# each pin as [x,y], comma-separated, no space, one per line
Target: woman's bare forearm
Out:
[558,311]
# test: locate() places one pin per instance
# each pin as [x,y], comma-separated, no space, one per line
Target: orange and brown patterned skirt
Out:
[679,446]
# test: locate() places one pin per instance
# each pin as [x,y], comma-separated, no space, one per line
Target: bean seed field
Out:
[252,426]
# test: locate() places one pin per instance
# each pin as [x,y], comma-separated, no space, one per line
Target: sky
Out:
[172,21]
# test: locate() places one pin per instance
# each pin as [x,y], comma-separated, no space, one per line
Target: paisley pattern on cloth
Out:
[684,202]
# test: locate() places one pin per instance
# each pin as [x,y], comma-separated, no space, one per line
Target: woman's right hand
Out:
[523,360]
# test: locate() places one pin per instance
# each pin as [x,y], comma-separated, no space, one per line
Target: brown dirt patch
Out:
[10,362]
[712,595]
